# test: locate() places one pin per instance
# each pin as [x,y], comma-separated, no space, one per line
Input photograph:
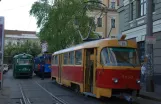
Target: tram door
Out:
[60,69]
[89,70]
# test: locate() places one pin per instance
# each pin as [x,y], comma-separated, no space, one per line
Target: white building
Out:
[17,37]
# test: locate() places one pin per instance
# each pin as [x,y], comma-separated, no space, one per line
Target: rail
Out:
[24,99]
[59,100]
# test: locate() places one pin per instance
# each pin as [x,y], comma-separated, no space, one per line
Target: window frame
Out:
[131,11]
[76,57]
[112,22]
[113,6]
[141,6]
[99,22]
[69,58]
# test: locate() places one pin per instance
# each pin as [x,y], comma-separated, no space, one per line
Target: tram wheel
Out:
[77,89]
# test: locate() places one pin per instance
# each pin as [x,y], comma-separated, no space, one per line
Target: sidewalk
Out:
[152,95]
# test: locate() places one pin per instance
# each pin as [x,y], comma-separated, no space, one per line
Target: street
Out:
[37,91]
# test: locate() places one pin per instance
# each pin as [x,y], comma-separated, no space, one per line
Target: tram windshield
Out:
[115,56]
[24,61]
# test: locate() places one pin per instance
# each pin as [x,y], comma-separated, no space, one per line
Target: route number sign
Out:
[123,43]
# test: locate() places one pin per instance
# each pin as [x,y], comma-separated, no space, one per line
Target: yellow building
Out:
[104,23]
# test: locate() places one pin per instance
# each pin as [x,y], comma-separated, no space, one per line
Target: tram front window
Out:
[24,62]
[119,57]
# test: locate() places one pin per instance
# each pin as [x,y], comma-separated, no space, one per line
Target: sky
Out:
[16,14]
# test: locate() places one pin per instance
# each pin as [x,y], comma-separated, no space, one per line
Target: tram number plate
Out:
[123,43]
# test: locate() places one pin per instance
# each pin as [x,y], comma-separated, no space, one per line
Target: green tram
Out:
[22,65]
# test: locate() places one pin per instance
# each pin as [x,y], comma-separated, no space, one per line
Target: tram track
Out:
[26,99]
[59,100]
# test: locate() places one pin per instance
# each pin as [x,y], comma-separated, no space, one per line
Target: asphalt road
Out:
[38,91]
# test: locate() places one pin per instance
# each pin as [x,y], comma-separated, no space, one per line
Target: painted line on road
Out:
[58,99]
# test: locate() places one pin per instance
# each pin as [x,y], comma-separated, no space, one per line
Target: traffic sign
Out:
[150,40]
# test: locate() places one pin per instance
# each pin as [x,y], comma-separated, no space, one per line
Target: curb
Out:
[150,98]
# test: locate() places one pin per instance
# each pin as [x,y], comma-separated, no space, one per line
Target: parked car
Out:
[5,68]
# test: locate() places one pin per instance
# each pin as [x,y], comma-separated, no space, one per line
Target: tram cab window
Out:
[122,56]
[78,57]
[71,58]
[105,57]
[24,61]
[65,58]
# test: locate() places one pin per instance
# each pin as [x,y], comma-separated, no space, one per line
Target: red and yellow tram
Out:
[106,67]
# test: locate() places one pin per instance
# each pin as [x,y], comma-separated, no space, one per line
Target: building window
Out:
[65,58]
[141,50]
[78,57]
[71,58]
[153,6]
[142,7]
[112,5]
[99,22]
[131,11]
[113,23]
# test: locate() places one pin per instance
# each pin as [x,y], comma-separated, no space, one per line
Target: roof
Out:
[90,44]
[20,55]
[96,43]
[18,32]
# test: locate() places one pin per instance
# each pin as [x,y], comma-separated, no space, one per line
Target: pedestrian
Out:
[143,70]
[42,72]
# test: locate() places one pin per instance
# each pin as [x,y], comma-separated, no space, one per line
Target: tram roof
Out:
[90,44]
[22,54]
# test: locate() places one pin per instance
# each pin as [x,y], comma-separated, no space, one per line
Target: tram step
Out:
[89,94]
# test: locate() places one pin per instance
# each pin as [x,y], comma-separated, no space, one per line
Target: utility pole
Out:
[149,49]
[106,23]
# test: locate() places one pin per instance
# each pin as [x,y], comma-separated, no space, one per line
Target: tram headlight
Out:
[138,81]
[115,80]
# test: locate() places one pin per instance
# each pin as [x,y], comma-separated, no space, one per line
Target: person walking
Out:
[143,70]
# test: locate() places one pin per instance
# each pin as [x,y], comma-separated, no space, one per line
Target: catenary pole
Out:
[149,49]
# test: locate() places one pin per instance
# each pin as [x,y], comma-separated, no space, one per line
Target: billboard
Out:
[1,49]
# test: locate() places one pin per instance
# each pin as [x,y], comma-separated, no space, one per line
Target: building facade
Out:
[18,37]
[132,17]
[105,21]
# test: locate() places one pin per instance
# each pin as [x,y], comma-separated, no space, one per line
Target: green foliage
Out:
[57,22]
[27,47]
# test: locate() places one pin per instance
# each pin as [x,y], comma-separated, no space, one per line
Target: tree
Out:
[26,47]
[58,22]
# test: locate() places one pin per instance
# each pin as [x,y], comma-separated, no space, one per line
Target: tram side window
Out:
[71,58]
[78,57]
[56,60]
[53,60]
[65,58]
